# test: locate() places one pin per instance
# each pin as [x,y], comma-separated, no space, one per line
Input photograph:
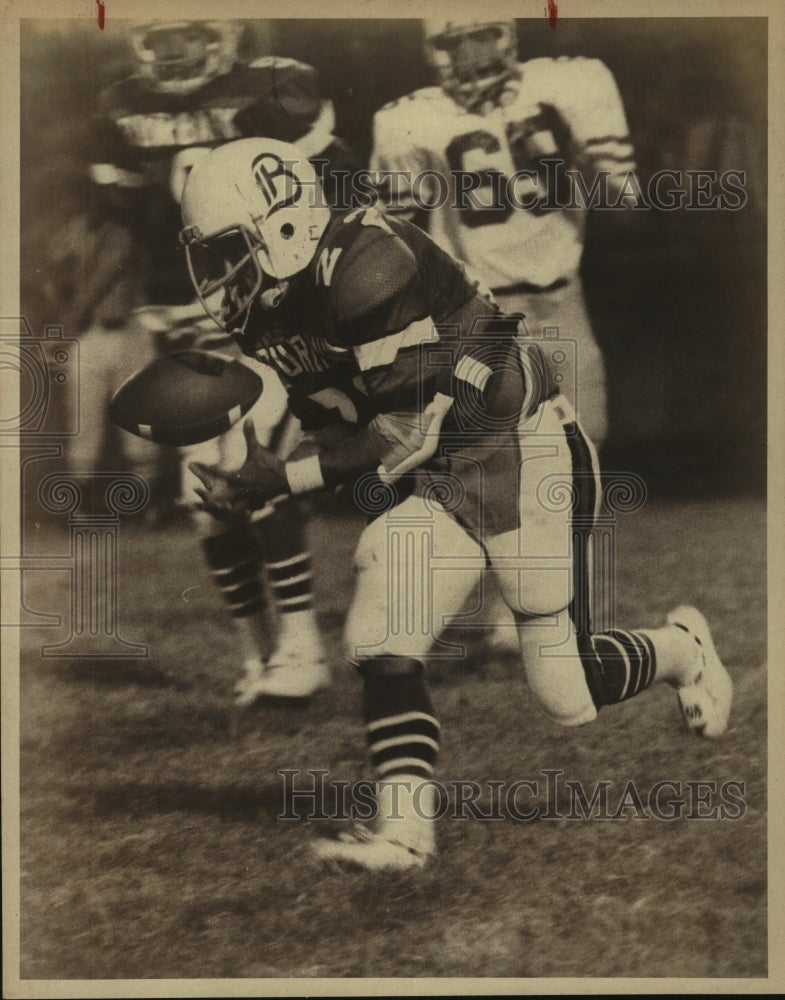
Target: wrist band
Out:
[304,475]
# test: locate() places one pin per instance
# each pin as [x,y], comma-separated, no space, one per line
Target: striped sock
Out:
[402,732]
[291,583]
[287,559]
[235,559]
[618,664]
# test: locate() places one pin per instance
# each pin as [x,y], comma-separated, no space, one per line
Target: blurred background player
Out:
[90,286]
[190,93]
[489,118]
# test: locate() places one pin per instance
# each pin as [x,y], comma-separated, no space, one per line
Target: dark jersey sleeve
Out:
[380,310]
[377,291]
[116,173]
[419,328]
[423,342]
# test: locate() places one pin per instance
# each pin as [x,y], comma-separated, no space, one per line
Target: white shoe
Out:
[253,671]
[289,673]
[365,849]
[404,836]
[705,698]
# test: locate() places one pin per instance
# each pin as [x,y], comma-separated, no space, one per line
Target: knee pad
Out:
[537,592]
[402,599]
[562,693]
[558,681]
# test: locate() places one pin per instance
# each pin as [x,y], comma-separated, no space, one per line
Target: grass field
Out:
[150,840]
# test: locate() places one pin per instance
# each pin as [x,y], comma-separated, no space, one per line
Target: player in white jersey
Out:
[496,162]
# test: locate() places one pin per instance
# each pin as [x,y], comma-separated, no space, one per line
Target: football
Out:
[185,398]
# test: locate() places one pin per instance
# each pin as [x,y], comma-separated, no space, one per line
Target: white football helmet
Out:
[473,60]
[253,214]
[179,57]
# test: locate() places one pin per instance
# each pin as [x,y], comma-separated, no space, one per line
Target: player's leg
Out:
[570,671]
[573,676]
[399,609]
[92,388]
[297,666]
[284,658]
[233,554]
[559,322]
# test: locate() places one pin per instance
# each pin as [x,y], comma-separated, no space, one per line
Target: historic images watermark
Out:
[311,795]
[49,415]
[550,186]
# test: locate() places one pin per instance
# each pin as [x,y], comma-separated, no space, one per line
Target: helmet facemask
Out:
[229,276]
[226,263]
[474,62]
[179,57]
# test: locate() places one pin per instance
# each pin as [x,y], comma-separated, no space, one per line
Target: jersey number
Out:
[332,399]
[350,403]
[529,143]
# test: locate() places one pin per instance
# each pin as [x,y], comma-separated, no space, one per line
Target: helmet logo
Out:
[267,169]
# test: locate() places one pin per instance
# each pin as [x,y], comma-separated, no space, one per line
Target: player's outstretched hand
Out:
[220,493]
[260,480]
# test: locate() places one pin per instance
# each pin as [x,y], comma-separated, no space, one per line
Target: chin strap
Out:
[271,298]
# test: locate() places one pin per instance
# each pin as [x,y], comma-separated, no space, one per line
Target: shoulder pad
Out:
[375,267]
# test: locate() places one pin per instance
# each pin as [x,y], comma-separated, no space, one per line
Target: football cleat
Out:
[404,836]
[362,848]
[705,698]
[289,673]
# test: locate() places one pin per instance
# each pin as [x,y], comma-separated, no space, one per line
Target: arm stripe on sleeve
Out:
[474,372]
[108,173]
[382,352]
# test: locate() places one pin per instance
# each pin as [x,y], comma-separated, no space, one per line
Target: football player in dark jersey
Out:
[189,94]
[421,397]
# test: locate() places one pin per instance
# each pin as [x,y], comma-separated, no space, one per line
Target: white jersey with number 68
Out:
[507,223]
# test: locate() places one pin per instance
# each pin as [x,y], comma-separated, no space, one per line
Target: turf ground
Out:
[151,845]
